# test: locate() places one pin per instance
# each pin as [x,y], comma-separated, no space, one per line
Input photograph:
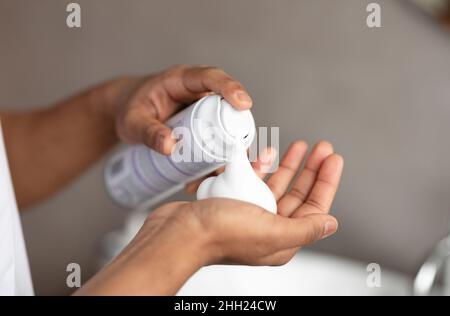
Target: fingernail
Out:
[330,229]
[243,97]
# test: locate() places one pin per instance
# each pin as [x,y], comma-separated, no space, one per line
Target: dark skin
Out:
[67,138]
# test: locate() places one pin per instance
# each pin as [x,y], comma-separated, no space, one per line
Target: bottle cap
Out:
[217,126]
[237,124]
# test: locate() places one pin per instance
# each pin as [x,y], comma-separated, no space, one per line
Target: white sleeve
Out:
[15,278]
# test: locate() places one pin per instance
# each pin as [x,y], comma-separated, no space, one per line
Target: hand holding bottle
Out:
[146,103]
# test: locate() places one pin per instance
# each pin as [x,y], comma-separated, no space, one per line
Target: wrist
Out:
[115,93]
[165,253]
[178,248]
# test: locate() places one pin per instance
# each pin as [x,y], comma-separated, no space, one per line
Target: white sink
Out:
[308,273]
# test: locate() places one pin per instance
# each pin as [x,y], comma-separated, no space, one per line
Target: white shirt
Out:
[15,278]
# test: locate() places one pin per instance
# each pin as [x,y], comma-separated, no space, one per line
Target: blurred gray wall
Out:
[382,96]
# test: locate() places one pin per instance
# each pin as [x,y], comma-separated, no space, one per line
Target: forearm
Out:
[49,148]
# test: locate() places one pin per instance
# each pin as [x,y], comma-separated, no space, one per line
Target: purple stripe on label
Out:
[156,169]
[178,169]
[139,175]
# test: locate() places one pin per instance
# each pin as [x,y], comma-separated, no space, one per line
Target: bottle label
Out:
[138,173]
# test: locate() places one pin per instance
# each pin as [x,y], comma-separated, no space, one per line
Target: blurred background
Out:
[313,67]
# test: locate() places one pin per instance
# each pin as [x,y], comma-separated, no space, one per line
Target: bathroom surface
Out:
[308,273]
[314,69]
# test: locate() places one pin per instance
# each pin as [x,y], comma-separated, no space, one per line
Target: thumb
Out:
[299,232]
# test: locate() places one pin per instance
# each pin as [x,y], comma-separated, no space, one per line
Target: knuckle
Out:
[174,70]
[179,67]
[149,136]
[314,203]
[298,194]
[232,85]
[212,71]
[314,233]
[311,237]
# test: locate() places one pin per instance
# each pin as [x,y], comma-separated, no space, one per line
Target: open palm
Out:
[246,234]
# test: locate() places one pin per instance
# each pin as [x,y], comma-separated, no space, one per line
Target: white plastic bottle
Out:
[207,131]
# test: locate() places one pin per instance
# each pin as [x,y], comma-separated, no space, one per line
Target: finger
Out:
[303,185]
[324,190]
[218,171]
[191,188]
[158,93]
[159,137]
[144,128]
[264,161]
[289,165]
[299,232]
[211,79]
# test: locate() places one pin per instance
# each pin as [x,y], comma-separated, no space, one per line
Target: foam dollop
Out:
[240,182]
